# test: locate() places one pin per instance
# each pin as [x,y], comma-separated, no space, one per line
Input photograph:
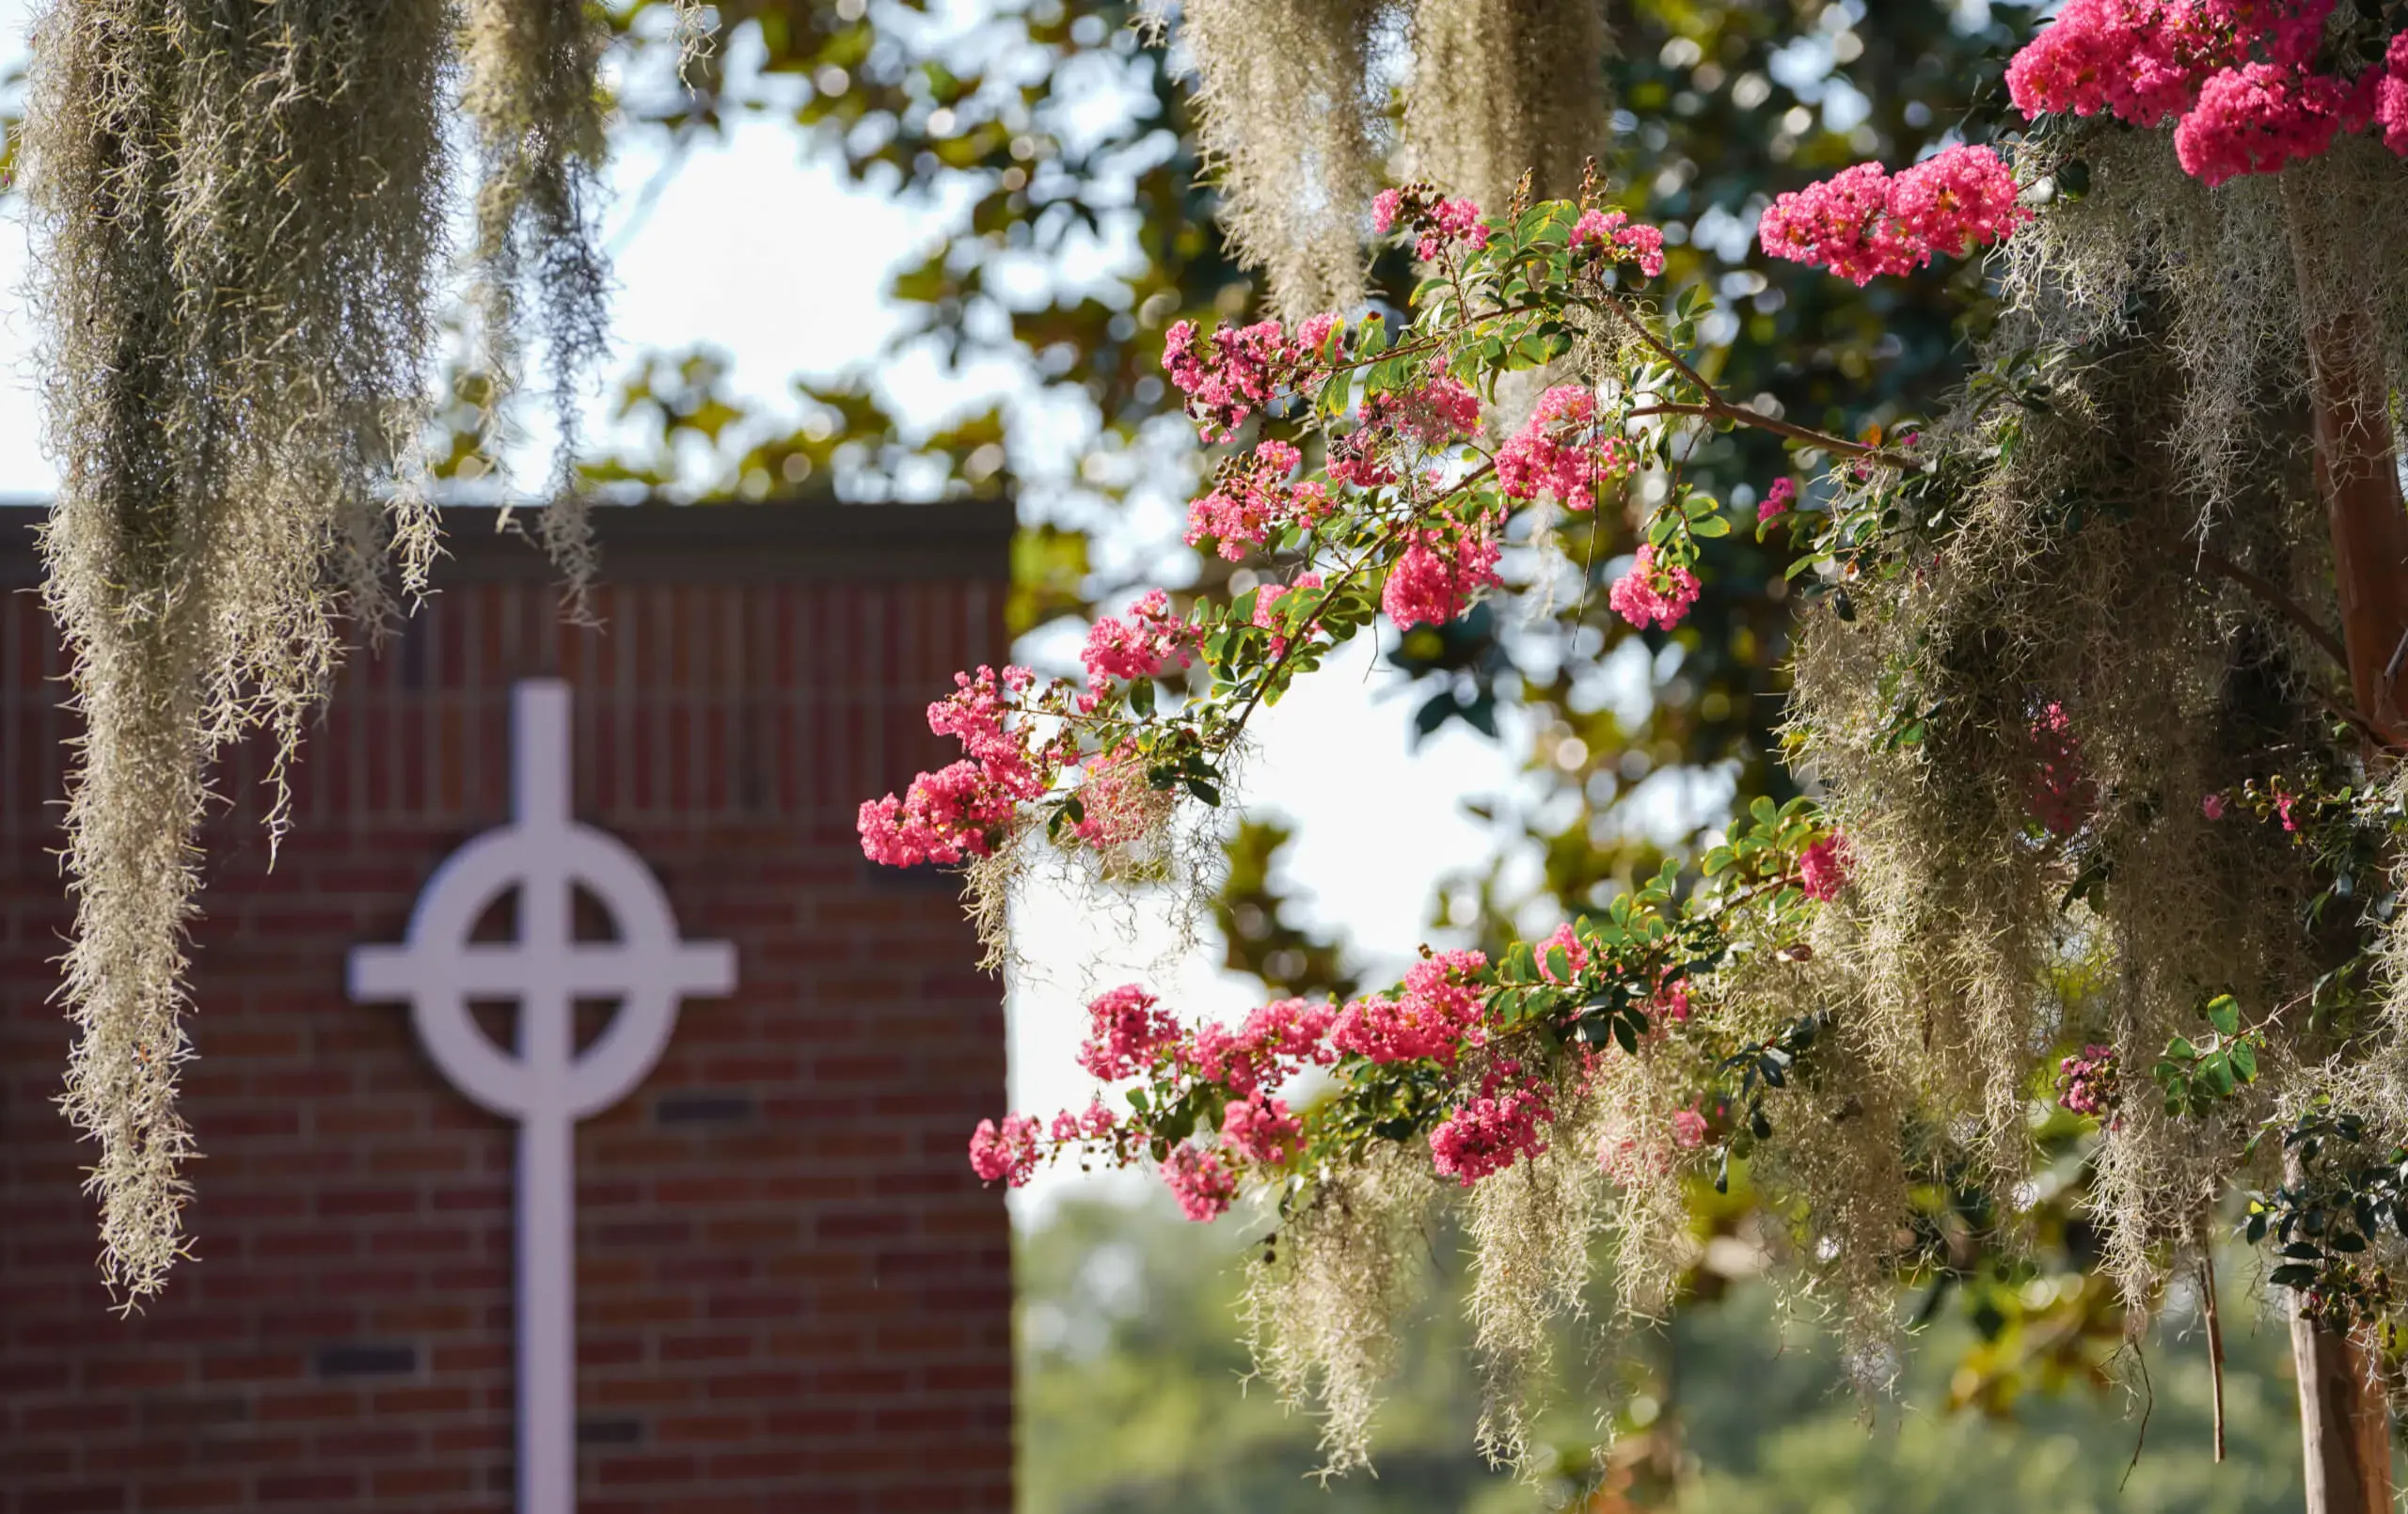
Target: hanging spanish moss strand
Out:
[533,95]
[2069,625]
[1504,87]
[1294,132]
[239,209]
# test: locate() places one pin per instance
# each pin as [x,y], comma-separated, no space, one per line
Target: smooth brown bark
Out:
[2345,1417]
[2344,1423]
[2357,472]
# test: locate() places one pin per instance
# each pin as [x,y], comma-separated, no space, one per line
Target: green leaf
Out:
[1712,525]
[2224,1012]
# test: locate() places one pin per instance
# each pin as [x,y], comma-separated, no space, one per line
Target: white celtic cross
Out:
[548,1085]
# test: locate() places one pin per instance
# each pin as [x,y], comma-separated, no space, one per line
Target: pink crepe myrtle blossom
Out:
[1262,1130]
[1823,868]
[1451,221]
[2256,119]
[1621,238]
[1007,1155]
[2391,96]
[1148,641]
[1652,594]
[1671,1004]
[2058,794]
[1096,1123]
[957,810]
[2144,61]
[2087,1082]
[1865,222]
[2236,76]
[1564,948]
[1252,498]
[1435,221]
[1438,573]
[1267,613]
[1293,1031]
[1688,1129]
[1201,1181]
[1777,500]
[1238,371]
[1127,1031]
[1491,1132]
[1230,1058]
[1431,417]
[1558,453]
[1433,1018]
[2212,805]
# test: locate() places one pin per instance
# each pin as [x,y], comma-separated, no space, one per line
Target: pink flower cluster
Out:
[1254,498]
[1096,1123]
[2055,791]
[1150,639]
[2257,117]
[2087,1082]
[956,810]
[1688,1129]
[1260,1129]
[1652,594]
[1433,1018]
[1671,1004]
[1558,453]
[1007,1155]
[1266,608]
[1437,221]
[1488,1134]
[1823,868]
[2391,96]
[1563,951]
[2143,61]
[1201,1181]
[1272,1044]
[2237,76]
[1241,369]
[1127,1031]
[1864,222]
[1435,577]
[1433,415]
[1777,500]
[1622,239]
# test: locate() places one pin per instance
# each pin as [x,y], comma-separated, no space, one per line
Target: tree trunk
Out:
[2358,473]
[2344,1425]
[2344,1418]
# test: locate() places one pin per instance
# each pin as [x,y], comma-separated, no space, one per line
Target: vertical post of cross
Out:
[546,1243]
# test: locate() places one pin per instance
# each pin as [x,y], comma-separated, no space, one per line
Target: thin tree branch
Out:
[2289,609]
[2215,1340]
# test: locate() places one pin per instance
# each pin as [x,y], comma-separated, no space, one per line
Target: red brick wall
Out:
[792,1294]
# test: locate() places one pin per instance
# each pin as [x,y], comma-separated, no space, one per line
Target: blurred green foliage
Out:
[1131,1403]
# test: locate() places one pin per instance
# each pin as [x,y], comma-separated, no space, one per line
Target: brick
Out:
[792,1294]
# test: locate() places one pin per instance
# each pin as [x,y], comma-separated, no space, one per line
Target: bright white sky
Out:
[793,288]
